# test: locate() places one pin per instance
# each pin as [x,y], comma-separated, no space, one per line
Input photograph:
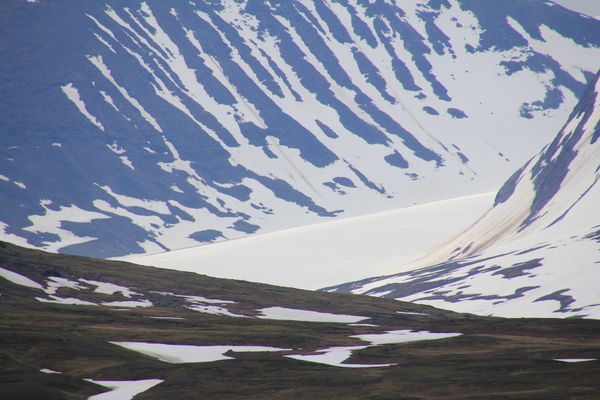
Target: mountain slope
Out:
[73,327]
[145,127]
[535,252]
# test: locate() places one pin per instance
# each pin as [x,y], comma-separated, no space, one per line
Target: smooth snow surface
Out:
[123,390]
[335,356]
[314,256]
[290,314]
[574,360]
[177,354]
[403,336]
[18,279]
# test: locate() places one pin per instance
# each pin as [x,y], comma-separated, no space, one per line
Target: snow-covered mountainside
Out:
[537,251]
[128,127]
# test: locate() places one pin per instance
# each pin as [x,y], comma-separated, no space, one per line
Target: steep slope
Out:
[73,327]
[129,127]
[536,252]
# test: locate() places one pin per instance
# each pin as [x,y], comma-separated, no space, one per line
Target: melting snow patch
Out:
[18,279]
[177,354]
[214,310]
[403,336]
[109,288]
[204,305]
[336,356]
[574,360]
[195,299]
[410,313]
[73,94]
[290,314]
[49,371]
[129,303]
[200,299]
[123,390]
[54,283]
[68,300]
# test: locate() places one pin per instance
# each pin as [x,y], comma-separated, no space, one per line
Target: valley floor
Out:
[253,341]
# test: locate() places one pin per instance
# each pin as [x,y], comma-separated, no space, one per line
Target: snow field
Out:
[318,255]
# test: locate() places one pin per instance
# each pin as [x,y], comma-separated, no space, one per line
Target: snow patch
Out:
[177,354]
[403,336]
[290,314]
[109,288]
[123,390]
[18,279]
[129,303]
[73,94]
[66,301]
[336,356]
[49,371]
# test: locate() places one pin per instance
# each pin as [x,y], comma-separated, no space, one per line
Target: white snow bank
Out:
[335,356]
[109,288]
[177,354]
[18,279]
[290,314]
[54,283]
[403,336]
[123,390]
[129,303]
[65,300]
[329,253]
[574,360]
[410,313]
[214,310]
[73,94]
[49,371]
